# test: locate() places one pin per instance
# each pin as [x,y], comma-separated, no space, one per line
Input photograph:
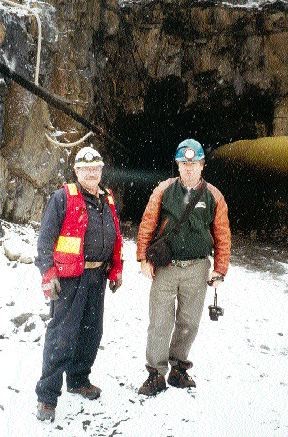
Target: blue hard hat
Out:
[189,150]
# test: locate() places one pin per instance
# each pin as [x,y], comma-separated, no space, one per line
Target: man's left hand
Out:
[215,279]
[114,285]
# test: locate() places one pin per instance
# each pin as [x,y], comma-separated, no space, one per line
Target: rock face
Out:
[149,74]
[24,151]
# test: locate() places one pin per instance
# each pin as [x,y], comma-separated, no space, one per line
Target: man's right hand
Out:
[50,284]
[147,269]
[215,279]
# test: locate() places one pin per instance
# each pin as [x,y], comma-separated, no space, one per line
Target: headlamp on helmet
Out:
[88,157]
[189,150]
[189,154]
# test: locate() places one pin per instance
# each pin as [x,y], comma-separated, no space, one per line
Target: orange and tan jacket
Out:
[219,231]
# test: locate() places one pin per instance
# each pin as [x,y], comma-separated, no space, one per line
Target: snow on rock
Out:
[15,248]
[240,362]
[11,250]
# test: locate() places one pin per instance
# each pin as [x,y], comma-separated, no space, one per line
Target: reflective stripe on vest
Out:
[68,244]
[110,199]
[72,188]
[69,250]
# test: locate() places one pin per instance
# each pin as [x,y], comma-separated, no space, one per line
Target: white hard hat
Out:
[88,157]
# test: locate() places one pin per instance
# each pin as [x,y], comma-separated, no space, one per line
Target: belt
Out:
[186,262]
[93,264]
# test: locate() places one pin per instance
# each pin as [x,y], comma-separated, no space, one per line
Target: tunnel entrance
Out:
[152,136]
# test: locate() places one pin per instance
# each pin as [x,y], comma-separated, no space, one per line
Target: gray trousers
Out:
[186,286]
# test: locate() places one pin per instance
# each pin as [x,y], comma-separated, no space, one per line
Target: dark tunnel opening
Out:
[152,136]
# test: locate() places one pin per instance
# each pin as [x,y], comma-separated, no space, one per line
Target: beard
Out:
[90,184]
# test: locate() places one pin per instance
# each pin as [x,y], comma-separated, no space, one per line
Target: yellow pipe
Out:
[270,153]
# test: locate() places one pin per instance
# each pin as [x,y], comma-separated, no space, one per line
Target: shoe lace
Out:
[185,374]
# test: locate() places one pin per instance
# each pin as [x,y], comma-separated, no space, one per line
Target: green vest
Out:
[194,239]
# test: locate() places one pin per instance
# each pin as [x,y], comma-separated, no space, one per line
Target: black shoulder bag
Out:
[159,253]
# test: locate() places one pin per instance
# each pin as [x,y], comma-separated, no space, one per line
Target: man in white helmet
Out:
[79,247]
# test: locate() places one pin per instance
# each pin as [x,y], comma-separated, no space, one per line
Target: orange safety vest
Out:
[69,248]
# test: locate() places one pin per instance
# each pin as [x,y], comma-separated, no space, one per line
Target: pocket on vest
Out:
[68,266]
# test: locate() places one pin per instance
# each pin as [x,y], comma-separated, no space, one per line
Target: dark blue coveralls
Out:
[74,333]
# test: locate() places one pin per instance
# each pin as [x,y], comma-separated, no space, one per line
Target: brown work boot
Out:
[45,412]
[178,376]
[153,384]
[89,392]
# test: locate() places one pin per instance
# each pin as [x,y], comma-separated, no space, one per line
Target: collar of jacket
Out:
[195,186]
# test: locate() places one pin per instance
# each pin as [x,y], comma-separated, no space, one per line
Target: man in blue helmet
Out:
[172,331]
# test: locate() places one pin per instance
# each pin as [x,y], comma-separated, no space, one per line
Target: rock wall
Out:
[216,51]
[26,158]
[224,67]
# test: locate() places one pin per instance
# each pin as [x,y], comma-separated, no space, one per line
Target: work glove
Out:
[50,284]
[215,279]
[114,285]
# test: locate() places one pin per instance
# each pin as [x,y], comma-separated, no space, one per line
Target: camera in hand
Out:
[214,310]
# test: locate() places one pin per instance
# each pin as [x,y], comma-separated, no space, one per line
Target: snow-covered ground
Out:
[240,362]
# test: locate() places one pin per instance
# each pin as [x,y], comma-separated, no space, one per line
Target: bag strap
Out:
[191,205]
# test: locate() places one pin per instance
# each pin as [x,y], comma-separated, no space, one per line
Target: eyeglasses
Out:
[91,169]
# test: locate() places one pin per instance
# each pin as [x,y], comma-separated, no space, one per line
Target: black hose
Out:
[56,101]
